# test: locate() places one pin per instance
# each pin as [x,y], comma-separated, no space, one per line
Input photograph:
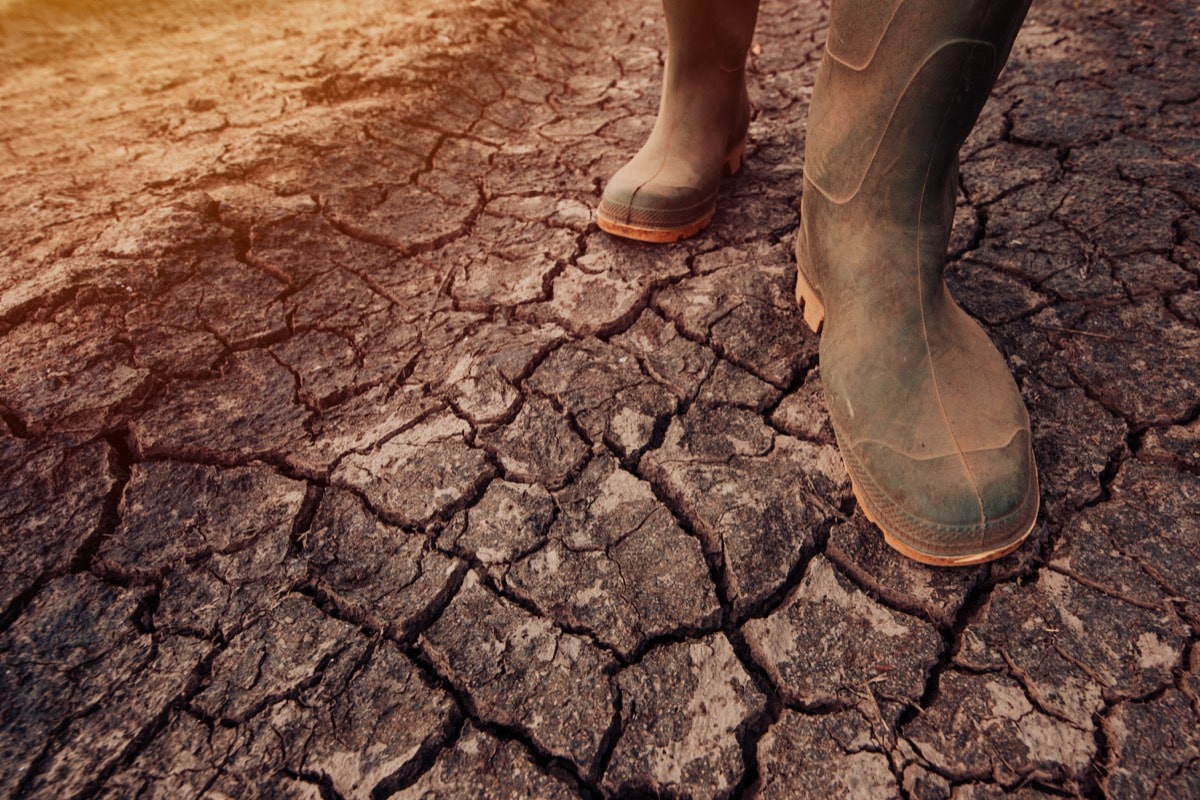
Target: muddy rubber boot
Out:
[668,191]
[929,420]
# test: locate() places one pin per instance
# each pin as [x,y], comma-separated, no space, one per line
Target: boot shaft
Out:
[709,32]
[900,86]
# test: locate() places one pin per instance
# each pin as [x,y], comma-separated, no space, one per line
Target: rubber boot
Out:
[928,418]
[668,191]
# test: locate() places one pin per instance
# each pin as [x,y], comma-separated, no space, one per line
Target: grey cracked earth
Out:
[342,455]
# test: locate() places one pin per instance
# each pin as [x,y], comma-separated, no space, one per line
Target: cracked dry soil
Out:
[342,456]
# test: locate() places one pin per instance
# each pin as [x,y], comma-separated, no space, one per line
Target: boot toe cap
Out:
[955,508]
[655,205]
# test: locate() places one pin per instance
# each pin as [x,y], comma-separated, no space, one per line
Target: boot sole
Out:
[658,235]
[814,316]
[654,235]
[809,300]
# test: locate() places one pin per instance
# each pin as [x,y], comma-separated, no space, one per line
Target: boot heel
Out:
[736,157]
[810,301]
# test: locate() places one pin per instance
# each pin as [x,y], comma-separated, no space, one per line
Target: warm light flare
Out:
[105,102]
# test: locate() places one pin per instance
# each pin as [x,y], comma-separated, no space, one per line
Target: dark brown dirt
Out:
[342,456]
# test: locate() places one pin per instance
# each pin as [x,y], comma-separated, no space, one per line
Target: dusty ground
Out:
[342,456]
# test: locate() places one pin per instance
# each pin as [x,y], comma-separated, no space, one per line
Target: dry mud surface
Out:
[342,456]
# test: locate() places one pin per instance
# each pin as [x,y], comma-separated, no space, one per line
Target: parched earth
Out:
[342,456]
